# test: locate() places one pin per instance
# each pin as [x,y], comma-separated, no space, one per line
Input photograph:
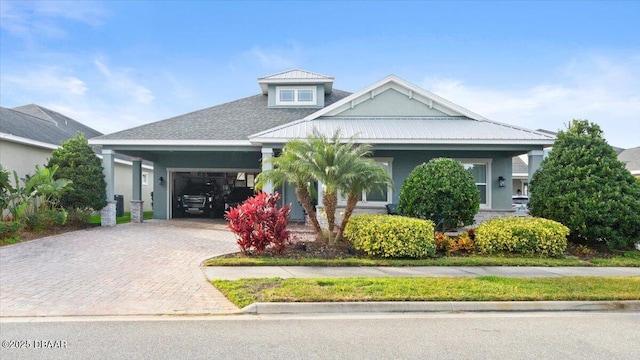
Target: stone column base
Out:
[137,211]
[108,214]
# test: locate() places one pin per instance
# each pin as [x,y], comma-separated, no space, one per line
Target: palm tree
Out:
[372,176]
[288,167]
[333,162]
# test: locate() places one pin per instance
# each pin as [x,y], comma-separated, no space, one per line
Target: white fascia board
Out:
[293,123]
[403,83]
[112,142]
[25,141]
[426,141]
[125,162]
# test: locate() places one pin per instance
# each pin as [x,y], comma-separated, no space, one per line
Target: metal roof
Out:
[417,130]
[296,74]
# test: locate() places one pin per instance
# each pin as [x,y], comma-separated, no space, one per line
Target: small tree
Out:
[583,185]
[78,163]
[442,191]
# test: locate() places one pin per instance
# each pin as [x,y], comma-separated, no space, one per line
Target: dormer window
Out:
[296,95]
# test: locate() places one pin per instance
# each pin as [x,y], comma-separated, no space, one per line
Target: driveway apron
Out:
[147,268]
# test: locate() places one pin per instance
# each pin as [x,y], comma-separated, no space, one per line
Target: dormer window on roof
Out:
[296,95]
[296,88]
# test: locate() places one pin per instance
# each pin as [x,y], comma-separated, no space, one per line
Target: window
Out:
[380,194]
[145,178]
[479,169]
[304,95]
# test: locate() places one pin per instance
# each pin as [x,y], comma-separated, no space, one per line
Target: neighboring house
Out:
[520,175]
[30,133]
[631,158]
[224,145]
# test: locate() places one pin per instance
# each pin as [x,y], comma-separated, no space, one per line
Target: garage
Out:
[209,193]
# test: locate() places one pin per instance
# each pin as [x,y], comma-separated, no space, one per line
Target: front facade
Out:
[221,148]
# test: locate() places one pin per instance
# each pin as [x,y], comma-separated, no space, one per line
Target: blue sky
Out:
[118,64]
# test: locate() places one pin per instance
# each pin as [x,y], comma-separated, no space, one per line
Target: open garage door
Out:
[209,194]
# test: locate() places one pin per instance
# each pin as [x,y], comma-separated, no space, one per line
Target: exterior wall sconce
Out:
[501,181]
[161,180]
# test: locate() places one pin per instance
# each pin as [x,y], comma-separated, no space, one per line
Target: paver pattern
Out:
[147,268]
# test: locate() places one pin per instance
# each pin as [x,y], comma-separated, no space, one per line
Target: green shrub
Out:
[583,185]
[391,236]
[522,235]
[441,191]
[9,229]
[47,219]
[79,217]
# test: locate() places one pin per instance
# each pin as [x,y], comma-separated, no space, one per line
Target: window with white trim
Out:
[145,178]
[299,95]
[378,195]
[480,170]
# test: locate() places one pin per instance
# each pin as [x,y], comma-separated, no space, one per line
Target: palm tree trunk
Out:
[352,201]
[330,202]
[305,199]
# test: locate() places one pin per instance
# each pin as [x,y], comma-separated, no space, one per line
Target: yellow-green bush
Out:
[391,236]
[522,235]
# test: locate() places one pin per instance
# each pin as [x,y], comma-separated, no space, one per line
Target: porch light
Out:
[161,180]
[501,181]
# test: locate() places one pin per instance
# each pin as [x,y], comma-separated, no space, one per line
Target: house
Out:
[30,133]
[223,145]
[631,158]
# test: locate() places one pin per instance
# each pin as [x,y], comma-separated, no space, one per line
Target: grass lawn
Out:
[489,288]
[95,219]
[625,258]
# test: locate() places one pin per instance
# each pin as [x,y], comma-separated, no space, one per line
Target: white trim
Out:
[124,162]
[482,161]
[421,141]
[296,94]
[170,142]
[25,141]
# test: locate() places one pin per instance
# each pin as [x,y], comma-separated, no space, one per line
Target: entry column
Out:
[108,213]
[137,205]
[267,153]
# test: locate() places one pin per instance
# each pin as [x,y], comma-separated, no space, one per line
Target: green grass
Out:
[489,288]
[627,258]
[146,215]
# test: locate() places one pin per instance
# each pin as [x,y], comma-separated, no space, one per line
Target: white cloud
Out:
[121,80]
[47,80]
[596,88]
[30,19]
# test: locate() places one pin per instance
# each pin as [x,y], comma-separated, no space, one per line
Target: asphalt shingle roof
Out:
[54,130]
[234,120]
[631,157]
[518,166]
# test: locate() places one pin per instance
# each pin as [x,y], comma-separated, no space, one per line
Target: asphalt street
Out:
[571,335]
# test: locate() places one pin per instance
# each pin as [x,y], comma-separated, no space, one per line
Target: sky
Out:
[114,65]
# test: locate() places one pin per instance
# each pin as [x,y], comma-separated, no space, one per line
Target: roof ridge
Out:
[38,108]
[296,69]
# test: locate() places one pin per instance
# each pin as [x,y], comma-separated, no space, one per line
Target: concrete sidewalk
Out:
[239,272]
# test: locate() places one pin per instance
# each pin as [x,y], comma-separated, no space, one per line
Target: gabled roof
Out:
[519,167]
[226,124]
[48,127]
[631,158]
[457,125]
[296,76]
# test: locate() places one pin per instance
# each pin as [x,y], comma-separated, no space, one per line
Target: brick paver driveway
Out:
[147,268]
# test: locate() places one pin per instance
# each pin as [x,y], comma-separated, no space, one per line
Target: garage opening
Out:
[209,194]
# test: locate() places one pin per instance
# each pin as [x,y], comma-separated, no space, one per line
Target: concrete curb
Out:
[438,306]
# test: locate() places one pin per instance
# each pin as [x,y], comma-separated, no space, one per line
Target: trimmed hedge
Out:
[391,236]
[522,235]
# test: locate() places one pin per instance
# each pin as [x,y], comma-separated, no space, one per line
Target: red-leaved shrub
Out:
[259,222]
